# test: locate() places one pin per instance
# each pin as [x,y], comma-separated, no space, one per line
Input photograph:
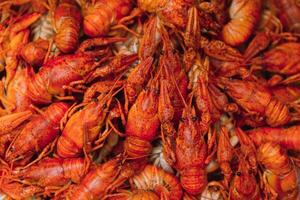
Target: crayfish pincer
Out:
[243,184]
[46,176]
[83,127]
[101,180]
[257,101]
[58,74]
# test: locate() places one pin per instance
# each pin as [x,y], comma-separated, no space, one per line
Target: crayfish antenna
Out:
[110,94]
[136,12]
[291,79]
[100,87]
[295,117]
[122,26]
[136,79]
[6,171]
[100,142]
[179,91]
[73,109]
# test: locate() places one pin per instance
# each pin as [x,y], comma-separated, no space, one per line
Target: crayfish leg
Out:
[211,144]
[100,87]
[124,174]
[134,13]
[291,79]
[71,89]
[46,151]
[100,142]
[97,42]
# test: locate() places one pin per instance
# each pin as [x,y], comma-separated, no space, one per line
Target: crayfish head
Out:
[237,89]
[189,116]
[148,100]
[85,62]
[244,183]
[189,126]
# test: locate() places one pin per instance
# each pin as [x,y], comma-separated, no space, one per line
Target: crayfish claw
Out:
[9,122]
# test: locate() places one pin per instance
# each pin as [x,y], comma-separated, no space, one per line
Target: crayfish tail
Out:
[193,180]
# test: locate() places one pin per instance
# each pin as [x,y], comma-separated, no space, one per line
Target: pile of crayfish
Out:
[150,99]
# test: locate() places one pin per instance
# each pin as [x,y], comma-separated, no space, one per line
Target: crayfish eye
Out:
[238,173]
[12,149]
[182,119]
[194,118]
[94,99]
[96,59]
[90,48]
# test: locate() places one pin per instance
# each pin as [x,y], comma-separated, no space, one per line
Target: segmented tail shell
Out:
[152,178]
